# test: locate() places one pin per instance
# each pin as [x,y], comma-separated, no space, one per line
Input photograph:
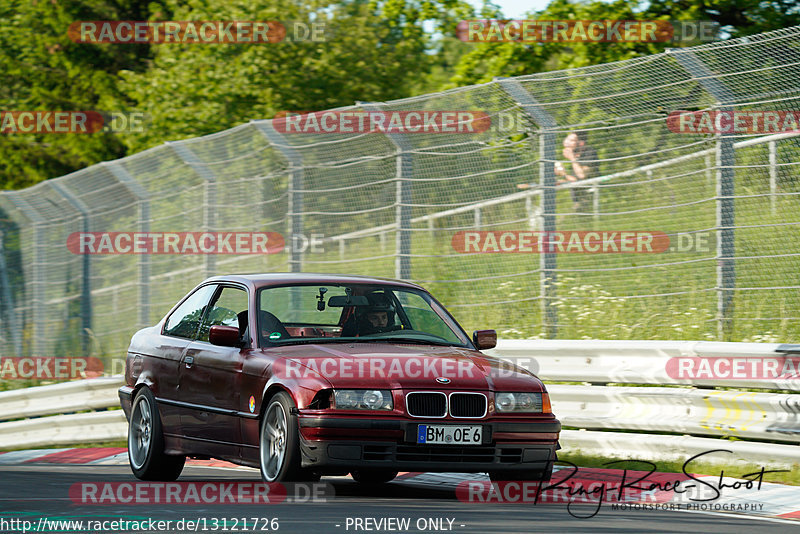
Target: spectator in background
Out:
[583,160]
[583,165]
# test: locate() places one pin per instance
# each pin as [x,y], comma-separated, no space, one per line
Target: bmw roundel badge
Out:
[443,380]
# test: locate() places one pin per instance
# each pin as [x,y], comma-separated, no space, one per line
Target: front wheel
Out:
[146,442]
[279,449]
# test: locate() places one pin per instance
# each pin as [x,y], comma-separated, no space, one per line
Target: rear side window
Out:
[225,310]
[185,321]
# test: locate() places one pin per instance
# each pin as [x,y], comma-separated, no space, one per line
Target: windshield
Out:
[354,312]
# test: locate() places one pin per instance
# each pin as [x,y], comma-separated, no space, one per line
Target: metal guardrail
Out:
[68,397]
[46,415]
[740,414]
[677,448]
[701,412]
[90,427]
[655,362]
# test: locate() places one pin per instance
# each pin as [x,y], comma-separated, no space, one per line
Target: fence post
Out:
[295,190]
[209,195]
[403,195]
[39,332]
[547,184]
[143,260]
[10,314]
[726,159]
[773,175]
[86,279]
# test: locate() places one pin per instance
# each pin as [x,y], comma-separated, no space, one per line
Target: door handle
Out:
[189,361]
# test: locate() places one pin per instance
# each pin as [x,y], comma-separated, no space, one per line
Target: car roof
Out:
[275,279]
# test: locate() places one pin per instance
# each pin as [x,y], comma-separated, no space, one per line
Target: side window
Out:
[225,310]
[186,319]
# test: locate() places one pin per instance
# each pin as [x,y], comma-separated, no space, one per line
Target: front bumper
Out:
[125,400]
[350,443]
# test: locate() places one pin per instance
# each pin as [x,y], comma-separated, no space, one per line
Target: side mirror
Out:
[224,336]
[484,339]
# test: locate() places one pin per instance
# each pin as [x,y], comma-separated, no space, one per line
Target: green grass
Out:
[666,296]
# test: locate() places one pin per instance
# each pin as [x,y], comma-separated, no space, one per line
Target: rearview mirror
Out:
[224,336]
[340,301]
[484,339]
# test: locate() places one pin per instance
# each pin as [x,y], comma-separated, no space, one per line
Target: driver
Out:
[378,317]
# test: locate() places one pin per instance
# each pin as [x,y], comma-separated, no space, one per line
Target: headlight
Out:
[518,402]
[363,399]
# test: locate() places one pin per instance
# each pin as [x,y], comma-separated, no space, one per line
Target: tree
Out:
[736,17]
[45,70]
[375,51]
[489,60]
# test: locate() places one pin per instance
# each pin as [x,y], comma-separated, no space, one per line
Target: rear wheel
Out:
[146,442]
[373,476]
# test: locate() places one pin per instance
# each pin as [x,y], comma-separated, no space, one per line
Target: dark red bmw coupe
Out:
[304,375]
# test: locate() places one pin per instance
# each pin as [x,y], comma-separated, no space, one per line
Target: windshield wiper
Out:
[417,341]
[393,339]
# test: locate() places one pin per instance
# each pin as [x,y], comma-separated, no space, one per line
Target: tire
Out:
[279,442]
[146,442]
[374,476]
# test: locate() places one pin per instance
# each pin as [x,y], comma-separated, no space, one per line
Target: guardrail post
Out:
[726,159]
[143,260]
[9,315]
[547,184]
[209,195]
[295,191]
[403,195]
[86,265]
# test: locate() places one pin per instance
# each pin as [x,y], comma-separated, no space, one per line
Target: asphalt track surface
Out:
[34,492]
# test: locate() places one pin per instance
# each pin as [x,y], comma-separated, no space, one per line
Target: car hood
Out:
[400,366]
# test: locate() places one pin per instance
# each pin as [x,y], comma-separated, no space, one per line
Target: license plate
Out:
[450,434]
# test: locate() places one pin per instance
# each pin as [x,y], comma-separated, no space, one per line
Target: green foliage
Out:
[377,50]
[194,89]
[489,60]
[45,70]
[736,17]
